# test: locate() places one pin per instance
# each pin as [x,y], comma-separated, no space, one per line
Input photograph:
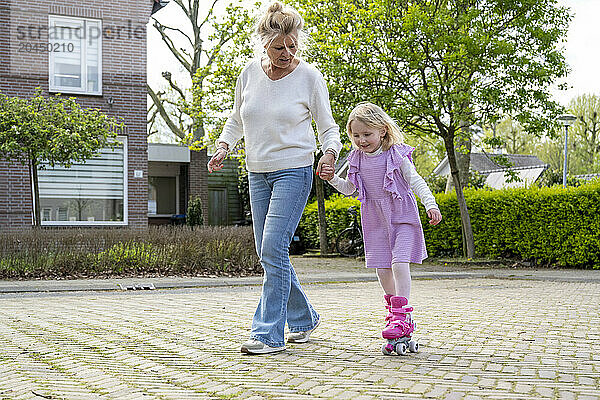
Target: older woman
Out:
[277,96]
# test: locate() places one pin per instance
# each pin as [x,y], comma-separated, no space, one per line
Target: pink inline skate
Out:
[399,328]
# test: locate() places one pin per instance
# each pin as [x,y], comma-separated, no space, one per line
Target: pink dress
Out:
[390,220]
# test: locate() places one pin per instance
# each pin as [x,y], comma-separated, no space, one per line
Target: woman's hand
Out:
[329,160]
[327,172]
[216,162]
[435,216]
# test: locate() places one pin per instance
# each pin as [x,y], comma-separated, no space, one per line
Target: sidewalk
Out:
[309,270]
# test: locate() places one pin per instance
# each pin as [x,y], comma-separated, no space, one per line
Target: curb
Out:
[143,284]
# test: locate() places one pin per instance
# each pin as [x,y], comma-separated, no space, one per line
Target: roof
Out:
[587,177]
[158,4]
[484,163]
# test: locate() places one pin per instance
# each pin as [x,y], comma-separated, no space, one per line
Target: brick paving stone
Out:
[565,395]
[566,378]
[178,344]
[419,388]
[521,388]
[545,391]
[436,392]
[469,379]
[454,396]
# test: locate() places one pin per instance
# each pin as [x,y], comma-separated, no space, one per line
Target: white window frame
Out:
[52,19]
[125,222]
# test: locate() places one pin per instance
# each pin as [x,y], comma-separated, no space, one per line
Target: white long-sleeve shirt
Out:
[409,173]
[274,117]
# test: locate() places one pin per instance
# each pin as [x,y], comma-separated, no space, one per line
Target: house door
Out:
[217,206]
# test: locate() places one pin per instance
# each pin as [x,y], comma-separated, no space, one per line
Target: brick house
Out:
[95,51]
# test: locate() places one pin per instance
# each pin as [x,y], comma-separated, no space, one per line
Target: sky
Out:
[582,48]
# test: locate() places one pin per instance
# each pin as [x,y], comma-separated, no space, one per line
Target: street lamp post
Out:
[566,120]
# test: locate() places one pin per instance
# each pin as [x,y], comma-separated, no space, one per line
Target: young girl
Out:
[381,170]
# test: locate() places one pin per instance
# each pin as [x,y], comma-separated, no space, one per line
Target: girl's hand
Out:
[216,162]
[327,172]
[329,160]
[435,216]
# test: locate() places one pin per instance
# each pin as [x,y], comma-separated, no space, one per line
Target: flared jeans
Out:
[277,200]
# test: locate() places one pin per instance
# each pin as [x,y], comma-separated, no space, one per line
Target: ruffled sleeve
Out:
[393,182]
[354,175]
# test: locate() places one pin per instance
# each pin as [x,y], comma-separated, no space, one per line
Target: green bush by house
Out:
[545,225]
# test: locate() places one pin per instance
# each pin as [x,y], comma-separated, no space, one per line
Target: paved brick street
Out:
[481,338]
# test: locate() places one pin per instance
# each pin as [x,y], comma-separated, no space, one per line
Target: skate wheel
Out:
[401,349]
[413,346]
[386,349]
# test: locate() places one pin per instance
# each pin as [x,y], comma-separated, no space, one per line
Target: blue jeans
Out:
[277,200]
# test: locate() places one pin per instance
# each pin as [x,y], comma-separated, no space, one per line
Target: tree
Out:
[583,147]
[208,43]
[208,54]
[41,131]
[440,66]
[585,133]
[509,133]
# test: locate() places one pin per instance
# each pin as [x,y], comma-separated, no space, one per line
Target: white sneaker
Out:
[302,337]
[254,346]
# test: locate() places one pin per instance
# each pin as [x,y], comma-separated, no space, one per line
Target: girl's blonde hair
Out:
[278,20]
[374,117]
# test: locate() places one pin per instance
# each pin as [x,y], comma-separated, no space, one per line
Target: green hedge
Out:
[337,216]
[549,226]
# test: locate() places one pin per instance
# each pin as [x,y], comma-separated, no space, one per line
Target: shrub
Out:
[436,183]
[549,226]
[194,212]
[544,225]
[169,250]
[337,216]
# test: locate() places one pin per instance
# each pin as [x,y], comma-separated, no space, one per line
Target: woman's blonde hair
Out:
[374,117]
[278,20]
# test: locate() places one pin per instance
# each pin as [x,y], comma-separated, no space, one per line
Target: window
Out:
[75,46]
[46,214]
[90,193]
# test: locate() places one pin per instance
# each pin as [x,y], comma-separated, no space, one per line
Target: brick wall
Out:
[123,81]
[198,179]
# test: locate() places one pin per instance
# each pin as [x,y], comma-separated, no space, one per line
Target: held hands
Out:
[435,216]
[216,162]
[325,169]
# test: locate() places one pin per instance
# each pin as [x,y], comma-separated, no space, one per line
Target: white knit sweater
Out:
[274,117]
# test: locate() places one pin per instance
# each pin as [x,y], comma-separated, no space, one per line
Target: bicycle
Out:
[349,242]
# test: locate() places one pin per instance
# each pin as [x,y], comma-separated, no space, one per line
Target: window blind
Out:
[101,177]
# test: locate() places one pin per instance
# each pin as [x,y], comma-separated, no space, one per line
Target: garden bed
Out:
[107,253]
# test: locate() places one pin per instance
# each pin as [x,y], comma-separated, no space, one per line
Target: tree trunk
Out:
[463,162]
[36,193]
[322,221]
[467,230]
